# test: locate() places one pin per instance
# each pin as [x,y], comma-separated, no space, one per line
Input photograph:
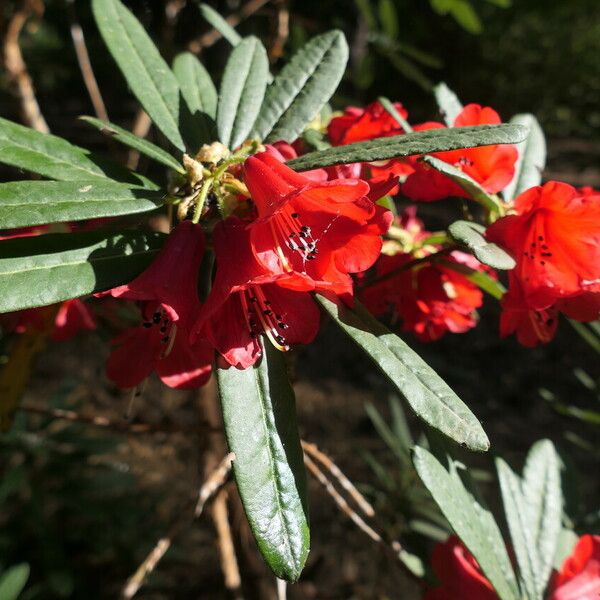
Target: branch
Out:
[210,487]
[17,69]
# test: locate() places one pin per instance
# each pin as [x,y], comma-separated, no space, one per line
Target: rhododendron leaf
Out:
[448,103]
[467,183]
[425,391]
[25,203]
[13,581]
[55,158]
[259,415]
[473,235]
[220,24]
[520,528]
[302,88]
[567,539]
[242,91]
[45,269]
[542,496]
[200,99]
[146,72]
[137,143]
[482,280]
[419,142]
[472,522]
[531,161]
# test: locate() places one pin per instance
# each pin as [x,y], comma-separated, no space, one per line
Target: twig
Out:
[316,454]
[281,589]
[104,422]
[17,69]
[85,65]
[282,31]
[141,127]
[211,37]
[137,580]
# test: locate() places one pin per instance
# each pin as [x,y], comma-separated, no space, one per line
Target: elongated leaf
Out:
[420,142]
[543,496]
[147,74]
[302,88]
[520,527]
[220,24]
[133,141]
[199,105]
[55,158]
[196,84]
[472,234]
[448,103]
[473,524]
[41,270]
[242,91]
[259,415]
[13,581]
[467,183]
[424,390]
[25,203]
[532,158]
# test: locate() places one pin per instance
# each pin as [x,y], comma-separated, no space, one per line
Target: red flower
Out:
[245,301]
[491,166]
[361,124]
[555,240]
[320,231]
[431,299]
[459,574]
[72,317]
[168,293]
[579,578]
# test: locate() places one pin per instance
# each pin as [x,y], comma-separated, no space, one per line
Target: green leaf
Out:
[543,498]
[467,183]
[448,103]
[147,74]
[420,142]
[473,523]
[532,158]
[45,269]
[259,415]
[55,158]
[302,88]
[424,390]
[196,84]
[220,24]
[25,203]
[482,280]
[366,11]
[388,17]
[200,100]
[473,235]
[567,539]
[242,91]
[137,143]
[519,526]
[391,109]
[13,581]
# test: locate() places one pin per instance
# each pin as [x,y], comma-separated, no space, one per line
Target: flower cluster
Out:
[459,574]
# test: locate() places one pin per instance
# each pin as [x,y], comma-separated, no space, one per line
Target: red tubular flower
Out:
[361,124]
[72,316]
[429,298]
[555,240]
[246,301]
[491,166]
[459,574]
[168,293]
[579,578]
[318,231]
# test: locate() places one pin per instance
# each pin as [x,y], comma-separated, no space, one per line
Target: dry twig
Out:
[214,483]
[17,69]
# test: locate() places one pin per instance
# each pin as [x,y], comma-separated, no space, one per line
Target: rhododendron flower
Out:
[579,577]
[555,241]
[319,231]
[458,573]
[245,301]
[361,124]
[430,299]
[168,293]
[491,166]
